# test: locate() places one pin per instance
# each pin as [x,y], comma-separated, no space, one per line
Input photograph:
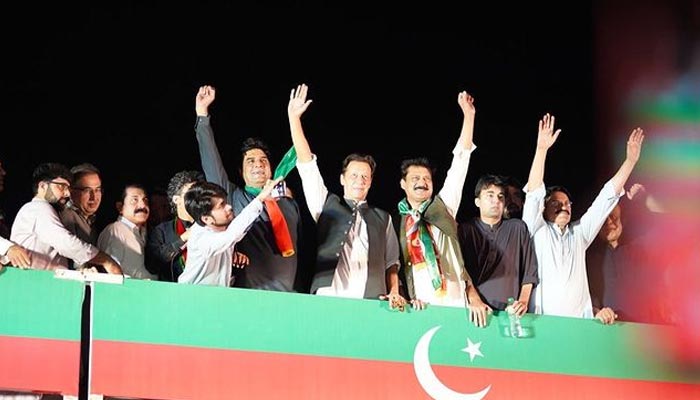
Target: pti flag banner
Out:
[173,341]
[39,331]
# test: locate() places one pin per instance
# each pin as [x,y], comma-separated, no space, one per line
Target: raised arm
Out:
[315,190]
[205,96]
[212,165]
[240,225]
[466,103]
[650,201]
[451,192]
[634,149]
[546,136]
[295,109]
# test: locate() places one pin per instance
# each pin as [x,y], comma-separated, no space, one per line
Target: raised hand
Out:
[546,136]
[466,103]
[636,189]
[205,96]
[634,149]
[634,145]
[466,135]
[297,101]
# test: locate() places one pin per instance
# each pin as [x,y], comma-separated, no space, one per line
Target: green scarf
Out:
[286,165]
[280,229]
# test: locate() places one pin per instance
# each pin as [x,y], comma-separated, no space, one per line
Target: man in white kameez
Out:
[560,244]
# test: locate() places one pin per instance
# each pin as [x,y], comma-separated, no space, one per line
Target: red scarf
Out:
[279,227]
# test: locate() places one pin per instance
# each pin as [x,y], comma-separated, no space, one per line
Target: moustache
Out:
[420,187]
[141,210]
[561,210]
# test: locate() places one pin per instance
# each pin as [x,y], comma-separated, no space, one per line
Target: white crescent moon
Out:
[427,379]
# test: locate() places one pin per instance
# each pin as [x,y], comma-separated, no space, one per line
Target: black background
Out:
[116,87]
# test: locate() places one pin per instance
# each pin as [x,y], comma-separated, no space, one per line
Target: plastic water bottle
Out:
[516,329]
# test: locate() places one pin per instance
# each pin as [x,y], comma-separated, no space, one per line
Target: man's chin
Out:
[59,206]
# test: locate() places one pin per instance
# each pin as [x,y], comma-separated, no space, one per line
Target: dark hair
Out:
[552,189]
[365,158]
[416,162]
[488,180]
[179,180]
[254,143]
[83,169]
[49,171]
[199,199]
[131,186]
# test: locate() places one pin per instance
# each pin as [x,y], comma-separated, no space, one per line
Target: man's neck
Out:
[217,228]
[415,204]
[85,215]
[491,221]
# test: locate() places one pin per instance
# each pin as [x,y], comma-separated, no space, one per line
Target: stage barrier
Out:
[157,340]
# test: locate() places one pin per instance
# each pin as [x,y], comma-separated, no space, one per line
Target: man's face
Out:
[87,194]
[57,192]
[221,214]
[135,207]
[256,168]
[179,200]
[491,201]
[356,180]
[514,202]
[612,228]
[557,209]
[418,184]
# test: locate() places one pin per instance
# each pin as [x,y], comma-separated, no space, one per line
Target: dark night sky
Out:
[116,87]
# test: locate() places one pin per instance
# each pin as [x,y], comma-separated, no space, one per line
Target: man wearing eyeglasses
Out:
[560,244]
[86,196]
[38,228]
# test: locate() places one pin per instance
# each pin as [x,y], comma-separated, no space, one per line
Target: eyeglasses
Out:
[559,204]
[64,186]
[88,190]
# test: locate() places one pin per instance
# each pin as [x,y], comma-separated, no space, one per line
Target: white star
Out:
[473,349]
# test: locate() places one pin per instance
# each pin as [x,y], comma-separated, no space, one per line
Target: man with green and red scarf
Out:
[272,243]
[432,262]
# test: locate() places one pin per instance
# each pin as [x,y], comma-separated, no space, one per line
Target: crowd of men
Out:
[522,244]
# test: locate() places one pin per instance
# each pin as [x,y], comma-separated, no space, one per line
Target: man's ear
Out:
[342,180]
[206,219]
[41,187]
[403,184]
[119,205]
[477,202]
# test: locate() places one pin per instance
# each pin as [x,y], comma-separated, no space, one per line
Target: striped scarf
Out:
[421,249]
